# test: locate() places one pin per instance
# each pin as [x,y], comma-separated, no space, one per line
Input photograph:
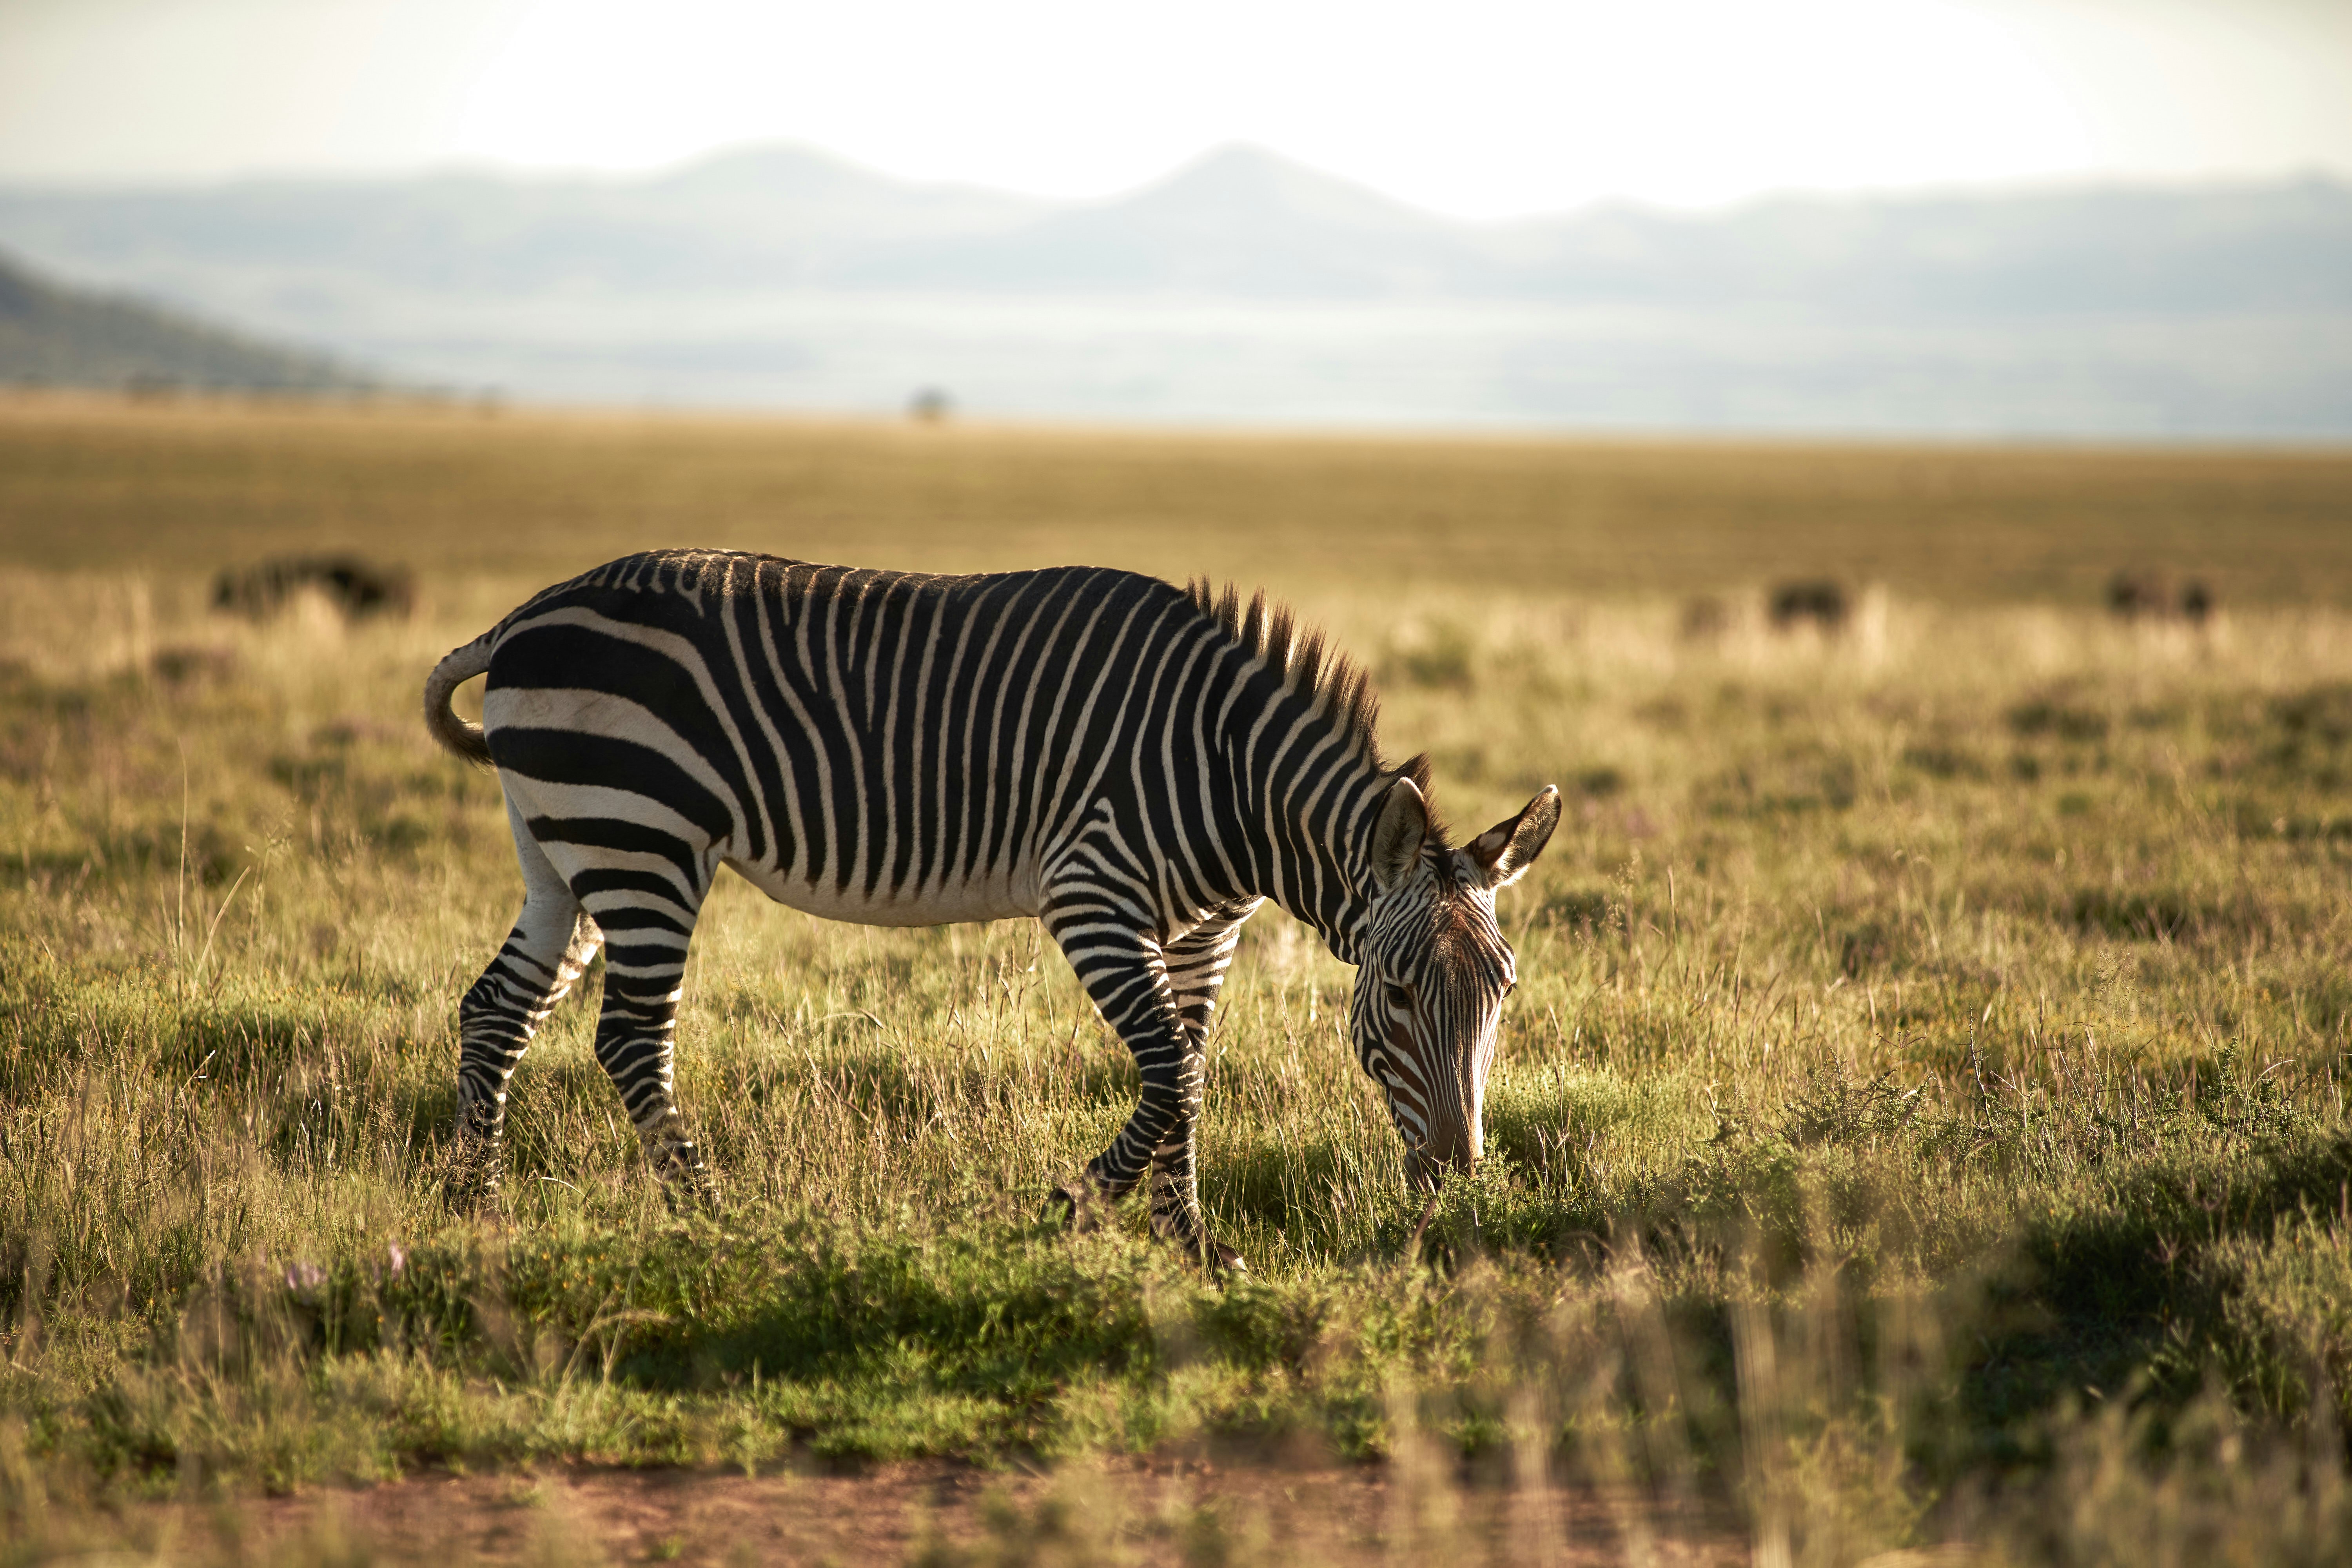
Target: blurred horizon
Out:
[459,168]
[1244,288]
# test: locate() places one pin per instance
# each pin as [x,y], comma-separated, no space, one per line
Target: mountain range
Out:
[1246,287]
[56,336]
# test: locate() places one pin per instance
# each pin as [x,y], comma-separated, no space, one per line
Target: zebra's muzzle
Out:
[1450,1151]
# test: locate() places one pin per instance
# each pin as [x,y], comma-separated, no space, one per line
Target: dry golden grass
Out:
[98,485]
[1920,1117]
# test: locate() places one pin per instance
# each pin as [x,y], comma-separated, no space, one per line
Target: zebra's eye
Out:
[1398,997]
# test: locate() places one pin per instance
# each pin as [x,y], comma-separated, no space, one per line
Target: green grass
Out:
[1920,1115]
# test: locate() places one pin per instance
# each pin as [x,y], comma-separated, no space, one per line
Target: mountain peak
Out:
[791,191]
[1248,180]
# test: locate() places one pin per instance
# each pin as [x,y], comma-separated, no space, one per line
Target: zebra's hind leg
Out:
[552,942]
[646,922]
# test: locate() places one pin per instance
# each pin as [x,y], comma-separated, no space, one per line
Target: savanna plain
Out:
[1918,1134]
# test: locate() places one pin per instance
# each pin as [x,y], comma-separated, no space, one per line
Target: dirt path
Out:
[1135,1512]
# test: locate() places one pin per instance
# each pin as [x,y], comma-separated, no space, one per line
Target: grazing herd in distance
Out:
[2149,595]
[362,589]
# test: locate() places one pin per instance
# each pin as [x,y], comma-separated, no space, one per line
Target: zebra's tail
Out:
[454,733]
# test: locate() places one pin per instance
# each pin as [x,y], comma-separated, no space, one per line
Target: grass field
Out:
[1920,1118]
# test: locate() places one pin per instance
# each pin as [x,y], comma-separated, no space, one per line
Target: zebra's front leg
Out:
[1196,964]
[1174,1186]
[552,942]
[1125,972]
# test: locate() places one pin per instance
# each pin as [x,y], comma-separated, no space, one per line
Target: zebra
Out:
[1138,766]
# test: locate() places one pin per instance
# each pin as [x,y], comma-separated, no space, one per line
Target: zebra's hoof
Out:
[1217,1260]
[470,1186]
[691,1192]
[469,1195]
[1073,1206]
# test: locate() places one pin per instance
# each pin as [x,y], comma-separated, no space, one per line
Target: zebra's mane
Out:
[1313,669]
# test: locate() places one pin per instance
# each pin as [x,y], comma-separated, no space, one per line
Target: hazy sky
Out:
[1477,107]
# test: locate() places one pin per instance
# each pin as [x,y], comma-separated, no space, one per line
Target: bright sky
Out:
[1481,107]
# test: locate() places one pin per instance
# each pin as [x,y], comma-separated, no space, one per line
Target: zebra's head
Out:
[1434,970]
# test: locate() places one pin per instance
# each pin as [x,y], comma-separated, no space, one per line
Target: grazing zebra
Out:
[1137,766]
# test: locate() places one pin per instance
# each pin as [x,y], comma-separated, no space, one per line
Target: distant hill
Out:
[55,336]
[1239,222]
[1246,287]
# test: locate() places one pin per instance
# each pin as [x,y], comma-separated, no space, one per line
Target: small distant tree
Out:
[929,406]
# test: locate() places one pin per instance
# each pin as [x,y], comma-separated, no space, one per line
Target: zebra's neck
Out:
[1338,901]
[1313,794]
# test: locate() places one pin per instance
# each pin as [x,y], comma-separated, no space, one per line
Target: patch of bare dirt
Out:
[1142,1512]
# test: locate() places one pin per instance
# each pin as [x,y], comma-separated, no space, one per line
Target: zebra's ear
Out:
[1397,836]
[1511,846]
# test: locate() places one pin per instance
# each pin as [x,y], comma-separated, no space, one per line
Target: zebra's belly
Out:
[994,898]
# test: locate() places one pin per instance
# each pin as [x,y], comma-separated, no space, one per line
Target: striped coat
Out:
[1136,766]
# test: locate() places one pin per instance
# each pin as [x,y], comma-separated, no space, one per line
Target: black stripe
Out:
[563,756]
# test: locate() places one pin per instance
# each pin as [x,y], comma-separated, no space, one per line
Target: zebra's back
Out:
[884,747]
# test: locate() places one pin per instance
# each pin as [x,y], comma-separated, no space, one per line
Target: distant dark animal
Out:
[2134,595]
[359,588]
[929,406]
[1705,617]
[1136,766]
[2131,595]
[1819,601]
